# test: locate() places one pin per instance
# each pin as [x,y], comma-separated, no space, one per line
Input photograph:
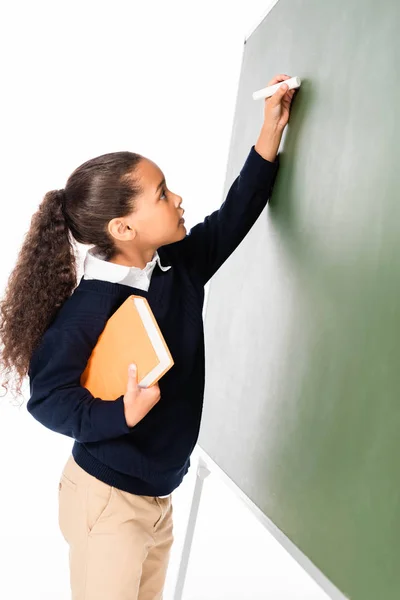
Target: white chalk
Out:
[293,83]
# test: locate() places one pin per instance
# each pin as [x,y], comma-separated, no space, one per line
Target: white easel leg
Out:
[202,473]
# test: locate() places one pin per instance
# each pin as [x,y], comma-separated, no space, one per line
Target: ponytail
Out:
[43,278]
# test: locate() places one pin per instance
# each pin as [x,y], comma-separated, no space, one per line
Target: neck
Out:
[133,258]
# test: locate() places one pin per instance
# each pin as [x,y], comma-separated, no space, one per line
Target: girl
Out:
[115,509]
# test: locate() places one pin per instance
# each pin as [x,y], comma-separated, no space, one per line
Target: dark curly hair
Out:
[45,274]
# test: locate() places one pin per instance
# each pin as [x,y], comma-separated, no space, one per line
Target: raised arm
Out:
[211,242]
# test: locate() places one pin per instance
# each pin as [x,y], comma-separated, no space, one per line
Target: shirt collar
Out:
[97,268]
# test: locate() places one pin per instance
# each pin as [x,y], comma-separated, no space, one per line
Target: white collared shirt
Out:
[95,267]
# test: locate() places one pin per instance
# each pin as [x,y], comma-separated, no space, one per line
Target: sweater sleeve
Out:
[211,242]
[59,401]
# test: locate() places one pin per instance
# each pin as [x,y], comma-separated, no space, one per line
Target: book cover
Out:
[131,335]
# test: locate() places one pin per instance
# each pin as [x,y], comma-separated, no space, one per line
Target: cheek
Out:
[169,213]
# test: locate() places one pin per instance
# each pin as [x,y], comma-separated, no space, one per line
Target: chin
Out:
[180,234]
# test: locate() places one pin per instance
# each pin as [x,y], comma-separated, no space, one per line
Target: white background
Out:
[80,79]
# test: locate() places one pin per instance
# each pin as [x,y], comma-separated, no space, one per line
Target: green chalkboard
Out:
[302,399]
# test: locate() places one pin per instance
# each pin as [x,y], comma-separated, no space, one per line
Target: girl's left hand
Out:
[277,107]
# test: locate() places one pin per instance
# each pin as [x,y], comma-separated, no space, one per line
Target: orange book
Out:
[131,335]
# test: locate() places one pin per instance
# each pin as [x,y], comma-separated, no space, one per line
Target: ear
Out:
[121,230]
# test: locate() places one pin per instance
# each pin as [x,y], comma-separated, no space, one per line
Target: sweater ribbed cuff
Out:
[258,171]
[109,418]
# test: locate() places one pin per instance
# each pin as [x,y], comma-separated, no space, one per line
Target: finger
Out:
[276,98]
[289,96]
[278,79]
[132,376]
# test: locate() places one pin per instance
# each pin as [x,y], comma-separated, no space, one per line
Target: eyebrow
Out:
[159,185]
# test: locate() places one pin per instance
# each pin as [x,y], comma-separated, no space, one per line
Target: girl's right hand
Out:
[277,106]
[138,401]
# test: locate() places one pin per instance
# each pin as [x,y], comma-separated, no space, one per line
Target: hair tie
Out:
[62,199]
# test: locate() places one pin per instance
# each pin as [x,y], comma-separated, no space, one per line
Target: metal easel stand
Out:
[202,473]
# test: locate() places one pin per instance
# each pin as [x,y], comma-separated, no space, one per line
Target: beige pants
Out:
[119,543]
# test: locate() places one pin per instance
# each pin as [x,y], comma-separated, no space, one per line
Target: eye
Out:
[164,193]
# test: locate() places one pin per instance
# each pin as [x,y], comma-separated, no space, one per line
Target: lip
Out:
[182,220]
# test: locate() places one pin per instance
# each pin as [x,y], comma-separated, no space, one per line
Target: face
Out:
[158,210]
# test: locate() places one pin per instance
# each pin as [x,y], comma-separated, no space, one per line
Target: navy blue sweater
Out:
[152,457]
